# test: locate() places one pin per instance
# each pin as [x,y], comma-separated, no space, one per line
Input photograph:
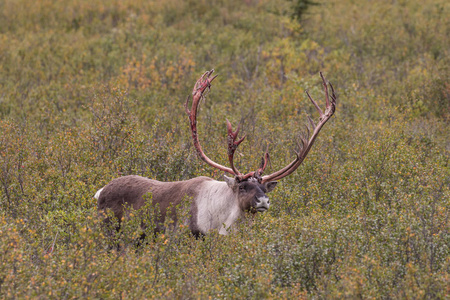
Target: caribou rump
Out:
[214,205]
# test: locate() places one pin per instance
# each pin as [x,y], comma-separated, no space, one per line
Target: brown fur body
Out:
[133,191]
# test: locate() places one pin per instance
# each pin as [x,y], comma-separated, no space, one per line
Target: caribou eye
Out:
[241,189]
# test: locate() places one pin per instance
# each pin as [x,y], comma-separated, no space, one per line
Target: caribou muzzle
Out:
[262,204]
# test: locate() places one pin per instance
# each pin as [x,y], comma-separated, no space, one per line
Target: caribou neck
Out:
[217,206]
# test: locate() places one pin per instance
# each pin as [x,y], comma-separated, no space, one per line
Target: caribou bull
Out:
[215,205]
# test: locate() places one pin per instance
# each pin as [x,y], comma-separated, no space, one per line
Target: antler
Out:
[197,94]
[306,145]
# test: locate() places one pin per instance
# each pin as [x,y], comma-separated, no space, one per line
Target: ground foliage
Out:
[91,90]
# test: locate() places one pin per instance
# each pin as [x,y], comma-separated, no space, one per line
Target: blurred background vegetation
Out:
[91,90]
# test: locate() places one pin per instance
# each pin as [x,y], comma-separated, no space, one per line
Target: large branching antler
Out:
[204,83]
[197,94]
[307,144]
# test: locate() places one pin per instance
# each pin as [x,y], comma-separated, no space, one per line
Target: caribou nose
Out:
[262,203]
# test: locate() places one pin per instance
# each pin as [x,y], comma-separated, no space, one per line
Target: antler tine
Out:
[263,165]
[333,95]
[325,88]
[264,161]
[315,103]
[197,94]
[307,131]
[306,145]
[233,144]
[300,148]
[203,83]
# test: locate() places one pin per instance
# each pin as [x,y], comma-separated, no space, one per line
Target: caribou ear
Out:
[270,185]
[231,182]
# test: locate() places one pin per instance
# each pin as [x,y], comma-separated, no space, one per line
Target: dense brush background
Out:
[91,90]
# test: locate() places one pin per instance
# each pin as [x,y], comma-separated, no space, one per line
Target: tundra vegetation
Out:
[91,90]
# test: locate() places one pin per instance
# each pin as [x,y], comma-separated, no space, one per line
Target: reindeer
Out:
[215,205]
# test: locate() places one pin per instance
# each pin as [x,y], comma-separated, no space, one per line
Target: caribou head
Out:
[215,204]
